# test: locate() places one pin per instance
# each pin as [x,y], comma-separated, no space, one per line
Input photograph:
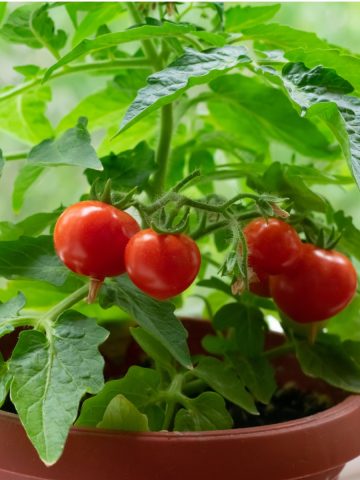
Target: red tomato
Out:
[259,283]
[90,238]
[162,265]
[319,286]
[273,245]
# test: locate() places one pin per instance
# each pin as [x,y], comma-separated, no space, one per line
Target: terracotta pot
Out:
[312,448]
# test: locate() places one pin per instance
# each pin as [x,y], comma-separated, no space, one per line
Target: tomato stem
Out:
[283,349]
[65,304]
[94,288]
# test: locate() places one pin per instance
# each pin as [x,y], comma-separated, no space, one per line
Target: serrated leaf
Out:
[139,386]
[17,27]
[5,379]
[43,29]
[144,32]
[240,17]
[156,318]
[72,148]
[10,311]
[103,14]
[192,68]
[51,375]
[311,88]
[32,258]
[122,415]
[330,362]
[27,175]
[128,169]
[273,113]
[223,379]
[204,413]
[24,116]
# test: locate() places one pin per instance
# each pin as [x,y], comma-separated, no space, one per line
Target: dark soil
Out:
[288,403]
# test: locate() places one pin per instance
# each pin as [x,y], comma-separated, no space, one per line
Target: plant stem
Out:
[224,223]
[283,349]
[16,156]
[172,396]
[108,65]
[162,155]
[65,304]
[194,387]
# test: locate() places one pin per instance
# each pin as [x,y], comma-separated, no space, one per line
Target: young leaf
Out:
[193,68]
[51,375]
[17,27]
[103,14]
[240,17]
[272,112]
[122,415]
[27,175]
[128,169]
[10,311]
[153,348]
[139,386]
[32,258]
[43,29]
[222,378]
[143,32]
[24,117]
[330,362]
[72,148]
[5,379]
[156,318]
[311,88]
[206,412]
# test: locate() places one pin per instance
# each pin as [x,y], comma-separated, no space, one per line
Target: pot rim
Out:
[342,409]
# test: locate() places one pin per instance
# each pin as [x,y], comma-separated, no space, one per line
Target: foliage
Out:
[260,108]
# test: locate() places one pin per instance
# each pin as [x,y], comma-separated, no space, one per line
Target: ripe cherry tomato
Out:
[90,238]
[259,283]
[273,245]
[319,286]
[162,265]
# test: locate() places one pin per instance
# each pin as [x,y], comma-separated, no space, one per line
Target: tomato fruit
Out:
[259,283]
[319,286]
[273,245]
[90,238]
[162,265]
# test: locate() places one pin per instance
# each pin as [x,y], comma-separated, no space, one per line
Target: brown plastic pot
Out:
[313,448]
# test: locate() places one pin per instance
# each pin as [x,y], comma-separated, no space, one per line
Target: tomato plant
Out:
[233,149]
[162,265]
[318,287]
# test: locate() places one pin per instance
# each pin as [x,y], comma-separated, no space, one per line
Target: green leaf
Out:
[121,414]
[2,162]
[240,17]
[5,379]
[51,375]
[103,14]
[17,28]
[156,318]
[346,324]
[272,112]
[223,379]
[32,258]
[143,32]
[28,71]
[139,386]
[249,325]
[24,117]
[27,175]
[345,64]
[309,88]
[3,7]
[217,284]
[282,37]
[30,226]
[193,68]
[330,362]
[153,348]
[44,31]
[10,311]
[72,148]
[258,376]
[350,239]
[206,412]
[128,169]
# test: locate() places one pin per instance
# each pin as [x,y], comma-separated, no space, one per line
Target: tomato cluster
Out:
[98,240]
[308,284]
